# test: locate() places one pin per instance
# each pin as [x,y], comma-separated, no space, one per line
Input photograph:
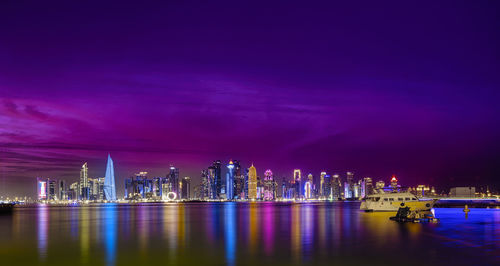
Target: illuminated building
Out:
[349,186]
[157,187]
[380,184]
[42,188]
[109,181]
[252,182]
[269,186]
[205,185]
[84,183]
[62,190]
[322,184]
[284,189]
[394,183]
[297,179]
[308,189]
[356,190]
[139,188]
[217,176]
[230,181]
[464,192]
[239,181]
[367,186]
[185,188]
[173,179]
[73,191]
[326,190]
[96,188]
[336,187]
[51,189]
[212,188]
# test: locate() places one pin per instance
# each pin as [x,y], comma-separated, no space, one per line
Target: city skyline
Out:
[334,87]
[266,185]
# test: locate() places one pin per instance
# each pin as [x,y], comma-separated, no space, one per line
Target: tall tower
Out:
[230,181]
[297,183]
[84,182]
[219,186]
[322,183]
[252,182]
[109,181]
[173,178]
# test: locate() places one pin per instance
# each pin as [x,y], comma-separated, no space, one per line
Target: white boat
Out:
[393,201]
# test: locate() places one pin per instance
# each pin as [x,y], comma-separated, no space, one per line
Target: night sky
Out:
[410,89]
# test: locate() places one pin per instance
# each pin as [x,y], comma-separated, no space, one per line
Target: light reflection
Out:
[268,228]
[110,229]
[296,234]
[84,234]
[253,233]
[322,227]
[43,227]
[230,232]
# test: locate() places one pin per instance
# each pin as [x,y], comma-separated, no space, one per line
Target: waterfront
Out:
[243,234]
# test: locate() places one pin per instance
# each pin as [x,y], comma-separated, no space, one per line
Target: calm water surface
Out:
[243,234]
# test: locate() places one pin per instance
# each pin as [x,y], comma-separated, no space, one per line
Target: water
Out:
[243,234]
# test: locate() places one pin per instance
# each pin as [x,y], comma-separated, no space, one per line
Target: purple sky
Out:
[409,89]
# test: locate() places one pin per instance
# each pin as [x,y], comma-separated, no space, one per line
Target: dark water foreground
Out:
[243,234]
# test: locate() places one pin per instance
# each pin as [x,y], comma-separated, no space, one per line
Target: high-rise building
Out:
[297,181]
[270,187]
[308,189]
[212,186]
[349,186]
[327,186]
[394,183]
[205,185]
[368,186]
[336,187]
[230,181]
[219,185]
[62,190]
[173,179]
[186,188]
[380,184]
[239,181]
[322,184]
[84,183]
[252,182]
[42,188]
[109,181]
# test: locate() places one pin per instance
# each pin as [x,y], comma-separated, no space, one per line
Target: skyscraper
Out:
[269,185]
[336,187]
[84,182]
[239,181]
[62,190]
[186,188]
[173,179]
[252,182]
[219,185]
[297,183]
[109,181]
[230,181]
[322,184]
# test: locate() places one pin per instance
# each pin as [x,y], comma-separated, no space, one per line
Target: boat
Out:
[406,214]
[391,202]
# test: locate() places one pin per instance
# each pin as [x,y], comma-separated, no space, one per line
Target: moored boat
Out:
[393,201]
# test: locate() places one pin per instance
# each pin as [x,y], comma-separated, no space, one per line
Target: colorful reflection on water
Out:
[243,234]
